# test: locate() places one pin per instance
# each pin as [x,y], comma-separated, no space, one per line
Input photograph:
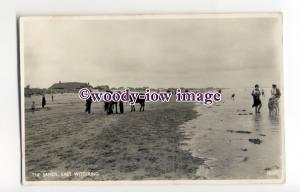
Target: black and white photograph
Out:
[194,98]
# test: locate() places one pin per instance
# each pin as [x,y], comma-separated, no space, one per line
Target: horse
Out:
[139,100]
[273,106]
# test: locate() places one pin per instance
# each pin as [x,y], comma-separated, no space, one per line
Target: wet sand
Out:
[130,146]
[235,142]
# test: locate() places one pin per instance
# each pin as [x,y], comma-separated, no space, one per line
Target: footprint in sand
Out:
[256,141]
[242,113]
[232,131]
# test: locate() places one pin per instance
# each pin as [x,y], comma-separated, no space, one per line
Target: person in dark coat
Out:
[106,105]
[43,101]
[110,108]
[121,105]
[88,105]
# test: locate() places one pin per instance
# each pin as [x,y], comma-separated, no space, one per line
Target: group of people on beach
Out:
[273,100]
[108,106]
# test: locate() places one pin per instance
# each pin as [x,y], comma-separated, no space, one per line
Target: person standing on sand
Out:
[121,106]
[43,101]
[262,93]
[33,106]
[88,105]
[256,98]
[52,97]
[273,100]
[275,92]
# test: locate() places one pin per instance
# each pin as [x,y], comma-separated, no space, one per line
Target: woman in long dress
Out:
[256,98]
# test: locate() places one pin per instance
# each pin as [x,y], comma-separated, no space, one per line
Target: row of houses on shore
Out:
[73,87]
[60,87]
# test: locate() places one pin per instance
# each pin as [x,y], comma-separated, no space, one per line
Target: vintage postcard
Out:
[194,98]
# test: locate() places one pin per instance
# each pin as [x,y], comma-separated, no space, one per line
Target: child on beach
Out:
[232,96]
[33,106]
[256,98]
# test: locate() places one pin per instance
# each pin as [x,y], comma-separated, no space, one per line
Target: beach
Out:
[130,146]
[168,141]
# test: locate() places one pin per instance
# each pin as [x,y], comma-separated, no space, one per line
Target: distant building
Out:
[102,87]
[68,86]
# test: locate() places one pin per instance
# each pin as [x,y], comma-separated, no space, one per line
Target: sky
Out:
[174,52]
